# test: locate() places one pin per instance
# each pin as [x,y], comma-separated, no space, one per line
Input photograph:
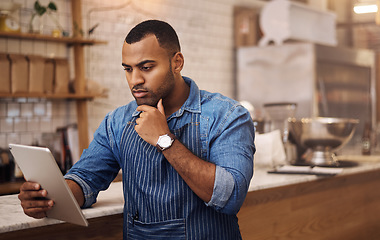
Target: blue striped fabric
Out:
[158,202]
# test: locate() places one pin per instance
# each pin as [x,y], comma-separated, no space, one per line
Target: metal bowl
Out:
[323,136]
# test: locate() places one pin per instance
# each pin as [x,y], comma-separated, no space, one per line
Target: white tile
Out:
[3,140]
[31,100]
[13,46]
[51,49]
[58,123]
[39,48]
[13,138]
[3,45]
[61,51]
[6,125]
[27,110]
[39,109]
[46,125]
[33,124]
[19,124]
[3,109]
[13,110]
[20,100]
[26,138]
[49,109]
[37,138]
[27,47]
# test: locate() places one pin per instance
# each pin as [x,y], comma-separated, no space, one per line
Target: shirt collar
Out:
[192,103]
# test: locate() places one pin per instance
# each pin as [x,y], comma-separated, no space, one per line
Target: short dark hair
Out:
[166,36]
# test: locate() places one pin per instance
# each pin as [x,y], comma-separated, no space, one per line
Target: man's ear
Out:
[178,62]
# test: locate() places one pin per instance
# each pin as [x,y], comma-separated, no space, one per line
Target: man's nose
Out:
[136,78]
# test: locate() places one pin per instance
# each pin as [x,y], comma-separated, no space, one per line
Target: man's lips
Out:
[139,93]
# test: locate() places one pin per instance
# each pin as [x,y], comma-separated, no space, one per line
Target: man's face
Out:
[148,70]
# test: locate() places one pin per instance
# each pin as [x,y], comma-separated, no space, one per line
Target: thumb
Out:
[160,107]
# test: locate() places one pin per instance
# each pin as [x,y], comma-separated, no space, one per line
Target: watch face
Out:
[165,141]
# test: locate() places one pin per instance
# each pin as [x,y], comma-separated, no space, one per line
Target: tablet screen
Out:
[38,165]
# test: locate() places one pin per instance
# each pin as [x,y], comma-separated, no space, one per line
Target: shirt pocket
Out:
[170,229]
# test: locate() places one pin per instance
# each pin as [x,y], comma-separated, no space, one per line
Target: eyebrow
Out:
[139,64]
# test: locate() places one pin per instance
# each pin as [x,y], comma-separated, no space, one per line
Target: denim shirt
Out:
[158,203]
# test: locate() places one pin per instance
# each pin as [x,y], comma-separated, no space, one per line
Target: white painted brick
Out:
[26,138]
[33,124]
[39,48]
[13,110]
[3,109]
[3,140]
[13,46]
[3,45]
[49,109]
[58,123]
[46,125]
[6,125]
[52,49]
[26,109]
[27,47]
[13,138]
[19,124]
[39,109]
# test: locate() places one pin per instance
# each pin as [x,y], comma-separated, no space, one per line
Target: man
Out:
[186,155]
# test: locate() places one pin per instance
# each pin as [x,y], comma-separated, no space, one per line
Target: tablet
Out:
[38,165]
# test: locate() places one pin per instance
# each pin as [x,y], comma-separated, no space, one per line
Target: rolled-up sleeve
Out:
[223,187]
[98,165]
[231,150]
[89,195]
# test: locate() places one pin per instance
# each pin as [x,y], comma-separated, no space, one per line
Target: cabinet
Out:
[80,96]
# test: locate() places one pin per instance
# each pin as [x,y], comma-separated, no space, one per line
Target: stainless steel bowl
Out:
[323,136]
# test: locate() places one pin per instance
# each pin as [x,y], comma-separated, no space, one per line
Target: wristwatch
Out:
[164,142]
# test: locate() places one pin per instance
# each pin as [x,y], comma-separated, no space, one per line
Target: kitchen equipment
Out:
[323,136]
[277,118]
[282,20]
[324,81]
[278,114]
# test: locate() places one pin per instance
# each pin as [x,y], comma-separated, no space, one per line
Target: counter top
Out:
[111,201]
[264,180]
[13,218]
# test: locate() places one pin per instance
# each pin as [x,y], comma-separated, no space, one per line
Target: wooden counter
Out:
[341,207]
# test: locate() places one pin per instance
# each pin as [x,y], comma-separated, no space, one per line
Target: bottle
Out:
[366,140]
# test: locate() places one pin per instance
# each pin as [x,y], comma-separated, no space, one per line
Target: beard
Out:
[162,92]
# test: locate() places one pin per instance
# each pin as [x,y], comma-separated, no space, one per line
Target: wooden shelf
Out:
[77,44]
[41,37]
[52,95]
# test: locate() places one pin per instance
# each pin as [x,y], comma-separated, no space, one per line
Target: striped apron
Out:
[158,203]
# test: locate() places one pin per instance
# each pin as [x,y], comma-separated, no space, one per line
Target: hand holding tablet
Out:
[38,165]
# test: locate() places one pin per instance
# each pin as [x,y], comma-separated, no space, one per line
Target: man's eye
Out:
[128,69]
[146,68]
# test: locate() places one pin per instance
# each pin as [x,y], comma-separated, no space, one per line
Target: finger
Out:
[160,107]
[36,212]
[37,204]
[30,186]
[144,108]
[27,195]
